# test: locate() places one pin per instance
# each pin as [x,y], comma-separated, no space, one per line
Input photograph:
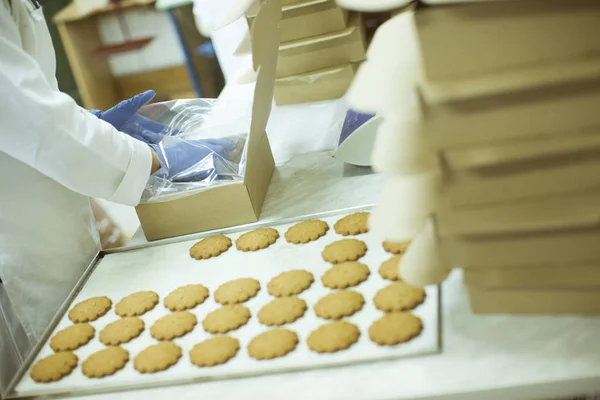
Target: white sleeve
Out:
[47,130]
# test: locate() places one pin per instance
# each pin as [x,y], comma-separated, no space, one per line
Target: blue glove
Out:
[194,160]
[124,118]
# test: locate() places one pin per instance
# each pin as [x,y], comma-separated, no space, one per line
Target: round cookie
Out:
[394,328]
[306,231]
[398,297]
[136,304]
[339,304]
[272,344]
[90,309]
[226,318]
[237,291]
[389,269]
[353,224]
[157,357]
[54,367]
[345,274]
[344,250]
[72,337]
[214,351]
[284,310]
[186,297]
[105,362]
[257,239]
[173,325]
[290,283]
[336,336]
[395,247]
[121,331]
[210,247]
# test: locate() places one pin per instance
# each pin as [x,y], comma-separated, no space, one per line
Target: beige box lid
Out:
[521,180]
[552,111]
[562,277]
[491,47]
[531,302]
[578,210]
[574,246]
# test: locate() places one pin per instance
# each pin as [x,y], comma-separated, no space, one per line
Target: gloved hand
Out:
[142,128]
[193,160]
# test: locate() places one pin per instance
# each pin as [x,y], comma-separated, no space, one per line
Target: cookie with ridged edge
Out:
[389,268]
[186,297]
[346,274]
[214,351]
[333,337]
[72,337]
[306,231]
[395,328]
[226,318]
[90,309]
[257,239]
[290,283]
[173,325]
[158,357]
[395,247]
[53,368]
[210,247]
[237,291]
[105,362]
[272,344]
[398,296]
[284,310]
[122,331]
[342,303]
[136,304]
[353,224]
[344,250]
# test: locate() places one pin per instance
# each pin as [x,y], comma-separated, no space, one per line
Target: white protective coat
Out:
[54,156]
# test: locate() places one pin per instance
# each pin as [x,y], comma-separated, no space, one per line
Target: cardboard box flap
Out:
[312,76]
[302,4]
[253,9]
[318,39]
[544,214]
[265,39]
[482,156]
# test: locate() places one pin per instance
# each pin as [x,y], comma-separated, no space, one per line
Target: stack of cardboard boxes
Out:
[510,106]
[321,45]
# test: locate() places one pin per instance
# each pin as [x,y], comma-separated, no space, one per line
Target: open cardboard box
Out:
[526,114]
[240,202]
[581,276]
[323,51]
[527,302]
[307,18]
[324,84]
[496,46]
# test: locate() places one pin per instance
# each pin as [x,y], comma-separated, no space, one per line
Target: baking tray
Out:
[166,265]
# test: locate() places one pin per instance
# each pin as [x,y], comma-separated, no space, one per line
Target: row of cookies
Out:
[300,233]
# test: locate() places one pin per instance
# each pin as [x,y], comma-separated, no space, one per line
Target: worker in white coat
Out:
[54,156]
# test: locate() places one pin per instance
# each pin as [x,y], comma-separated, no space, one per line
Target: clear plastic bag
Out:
[201,143]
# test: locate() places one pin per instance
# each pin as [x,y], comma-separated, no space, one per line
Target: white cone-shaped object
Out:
[248,75]
[391,73]
[405,204]
[372,5]
[245,46]
[400,147]
[236,11]
[423,263]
